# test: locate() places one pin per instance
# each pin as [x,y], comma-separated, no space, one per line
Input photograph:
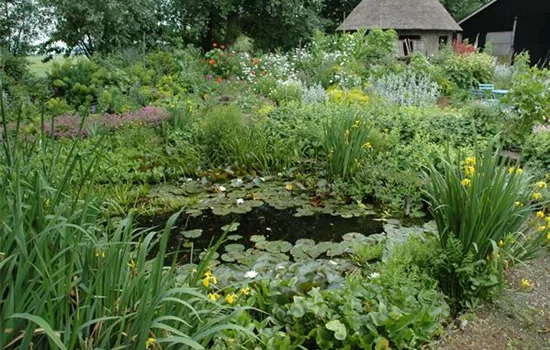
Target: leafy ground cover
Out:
[339,128]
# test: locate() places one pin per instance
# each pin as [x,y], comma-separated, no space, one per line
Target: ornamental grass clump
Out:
[482,205]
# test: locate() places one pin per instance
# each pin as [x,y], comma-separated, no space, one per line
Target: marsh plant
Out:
[67,282]
[408,89]
[482,205]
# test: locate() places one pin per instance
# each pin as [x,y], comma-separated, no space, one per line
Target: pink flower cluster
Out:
[68,125]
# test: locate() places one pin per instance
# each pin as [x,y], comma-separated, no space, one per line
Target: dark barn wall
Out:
[533,26]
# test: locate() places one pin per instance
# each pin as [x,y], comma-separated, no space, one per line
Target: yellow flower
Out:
[525,283]
[214,296]
[518,204]
[537,196]
[231,298]
[245,291]
[469,170]
[288,187]
[541,228]
[540,214]
[519,171]
[471,161]
[100,254]
[548,236]
[541,184]
[346,136]
[501,243]
[367,146]
[466,182]
[132,264]
[548,221]
[209,279]
[150,342]
[357,124]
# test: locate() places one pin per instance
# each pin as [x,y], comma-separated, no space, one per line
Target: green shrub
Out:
[466,71]
[535,151]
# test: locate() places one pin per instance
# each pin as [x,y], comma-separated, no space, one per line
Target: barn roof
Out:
[400,14]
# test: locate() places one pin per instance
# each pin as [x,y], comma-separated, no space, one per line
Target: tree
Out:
[462,8]
[105,26]
[21,23]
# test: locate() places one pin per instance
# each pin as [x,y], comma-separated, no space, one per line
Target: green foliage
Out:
[535,150]
[346,141]
[466,71]
[68,282]
[477,203]
[529,94]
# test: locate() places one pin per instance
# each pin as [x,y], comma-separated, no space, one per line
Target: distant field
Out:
[40,68]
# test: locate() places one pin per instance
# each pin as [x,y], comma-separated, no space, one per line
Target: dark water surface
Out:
[272,223]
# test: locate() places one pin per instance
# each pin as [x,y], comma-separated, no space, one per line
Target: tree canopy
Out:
[107,26]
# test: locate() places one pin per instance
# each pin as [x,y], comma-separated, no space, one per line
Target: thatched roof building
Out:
[421,24]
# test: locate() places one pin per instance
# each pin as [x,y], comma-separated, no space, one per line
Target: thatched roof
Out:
[400,15]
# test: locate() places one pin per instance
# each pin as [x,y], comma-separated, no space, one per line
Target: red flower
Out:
[263,72]
[212,62]
[253,73]
[222,47]
[215,44]
[218,80]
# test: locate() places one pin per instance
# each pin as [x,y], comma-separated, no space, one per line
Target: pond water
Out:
[266,221]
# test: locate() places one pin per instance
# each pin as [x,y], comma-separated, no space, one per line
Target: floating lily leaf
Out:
[319,249]
[231,227]
[278,247]
[220,211]
[354,237]
[347,215]
[192,233]
[340,248]
[234,248]
[215,255]
[234,237]
[187,245]
[228,257]
[194,212]
[305,241]
[300,212]
[241,209]
[300,252]
[261,244]
[257,238]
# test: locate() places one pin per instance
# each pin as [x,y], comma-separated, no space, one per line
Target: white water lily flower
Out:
[222,188]
[238,181]
[240,201]
[251,274]
[374,275]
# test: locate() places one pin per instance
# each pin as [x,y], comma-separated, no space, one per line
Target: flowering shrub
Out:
[407,89]
[71,125]
[462,48]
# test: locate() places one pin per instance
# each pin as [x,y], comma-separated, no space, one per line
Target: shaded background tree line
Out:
[106,26]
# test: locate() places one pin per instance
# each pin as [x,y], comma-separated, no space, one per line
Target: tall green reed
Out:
[68,283]
[484,202]
[346,142]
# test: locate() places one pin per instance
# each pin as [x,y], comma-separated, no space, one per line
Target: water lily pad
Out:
[319,249]
[234,248]
[278,247]
[257,238]
[231,227]
[339,249]
[192,233]
[300,212]
[354,237]
[221,211]
[261,244]
[215,255]
[193,212]
[234,237]
[305,241]
[228,257]
[347,215]
[300,252]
